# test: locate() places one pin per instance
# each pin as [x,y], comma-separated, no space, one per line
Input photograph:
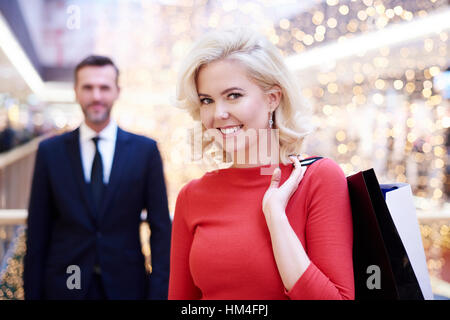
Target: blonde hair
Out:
[264,65]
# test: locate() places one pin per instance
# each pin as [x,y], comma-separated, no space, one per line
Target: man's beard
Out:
[97,117]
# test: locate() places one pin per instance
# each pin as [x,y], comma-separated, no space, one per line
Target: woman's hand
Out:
[290,256]
[276,198]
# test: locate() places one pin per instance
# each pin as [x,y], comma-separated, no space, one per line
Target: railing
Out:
[10,220]
[16,169]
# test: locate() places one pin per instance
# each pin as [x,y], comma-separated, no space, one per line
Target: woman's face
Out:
[233,104]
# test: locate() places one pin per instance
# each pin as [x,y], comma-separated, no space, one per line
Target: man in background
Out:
[89,189]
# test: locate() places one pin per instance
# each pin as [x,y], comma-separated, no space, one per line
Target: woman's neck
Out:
[256,157]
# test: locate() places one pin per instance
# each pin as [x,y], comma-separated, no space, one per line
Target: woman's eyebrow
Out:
[223,92]
[230,89]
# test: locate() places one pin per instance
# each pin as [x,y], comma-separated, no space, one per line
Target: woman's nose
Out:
[221,112]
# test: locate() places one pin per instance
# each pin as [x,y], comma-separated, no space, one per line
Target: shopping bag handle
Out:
[309,161]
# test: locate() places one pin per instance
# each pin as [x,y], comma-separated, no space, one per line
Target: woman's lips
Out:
[230,131]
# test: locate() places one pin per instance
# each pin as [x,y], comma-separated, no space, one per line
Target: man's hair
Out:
[96,61]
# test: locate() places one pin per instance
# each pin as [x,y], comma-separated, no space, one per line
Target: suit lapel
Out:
[121,155]
[73,148]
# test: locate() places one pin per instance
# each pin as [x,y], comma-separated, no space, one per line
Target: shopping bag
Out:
[382,267]
[399,200]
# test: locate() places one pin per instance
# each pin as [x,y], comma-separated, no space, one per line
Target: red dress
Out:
[221,247]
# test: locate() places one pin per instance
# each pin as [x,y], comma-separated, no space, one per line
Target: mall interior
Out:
[375,72]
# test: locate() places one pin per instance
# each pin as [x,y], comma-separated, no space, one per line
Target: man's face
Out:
[96,91]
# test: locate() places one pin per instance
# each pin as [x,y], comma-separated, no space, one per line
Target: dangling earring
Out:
[271,120]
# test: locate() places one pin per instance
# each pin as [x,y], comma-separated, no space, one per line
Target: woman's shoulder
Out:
[323,170]
[188,186]
[326,189]
[193,186]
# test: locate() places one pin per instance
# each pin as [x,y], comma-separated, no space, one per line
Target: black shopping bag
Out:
[377,247]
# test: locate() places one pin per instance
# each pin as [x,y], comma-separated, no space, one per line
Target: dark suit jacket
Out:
[62,230]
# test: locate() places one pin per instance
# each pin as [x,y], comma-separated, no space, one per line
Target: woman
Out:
[241,234]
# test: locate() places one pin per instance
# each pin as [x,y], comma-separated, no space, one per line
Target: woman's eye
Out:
[234,95]
[205,101]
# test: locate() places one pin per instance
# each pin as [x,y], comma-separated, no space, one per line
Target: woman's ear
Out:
[274,96]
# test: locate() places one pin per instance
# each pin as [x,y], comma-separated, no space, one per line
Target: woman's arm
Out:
[326,271]
[292,260]
[181,284]
[290,256]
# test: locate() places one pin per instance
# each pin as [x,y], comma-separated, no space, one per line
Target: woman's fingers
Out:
[296,176]
[294,179]
[276,177]
[302,168]
[277,195]
[298,170]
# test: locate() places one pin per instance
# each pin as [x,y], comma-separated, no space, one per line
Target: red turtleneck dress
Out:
[221,246]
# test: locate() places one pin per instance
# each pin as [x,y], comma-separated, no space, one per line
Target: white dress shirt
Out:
[106,146]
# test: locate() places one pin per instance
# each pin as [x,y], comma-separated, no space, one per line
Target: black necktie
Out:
[97,176]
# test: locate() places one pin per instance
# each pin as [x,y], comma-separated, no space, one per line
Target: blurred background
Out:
[375,72]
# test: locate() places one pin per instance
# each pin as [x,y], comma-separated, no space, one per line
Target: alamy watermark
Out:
[374,281]
[74,17]
[74,280]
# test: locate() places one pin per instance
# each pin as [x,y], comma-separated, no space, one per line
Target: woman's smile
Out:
[230,131]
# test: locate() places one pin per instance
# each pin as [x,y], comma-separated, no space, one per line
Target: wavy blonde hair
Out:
[264,65]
